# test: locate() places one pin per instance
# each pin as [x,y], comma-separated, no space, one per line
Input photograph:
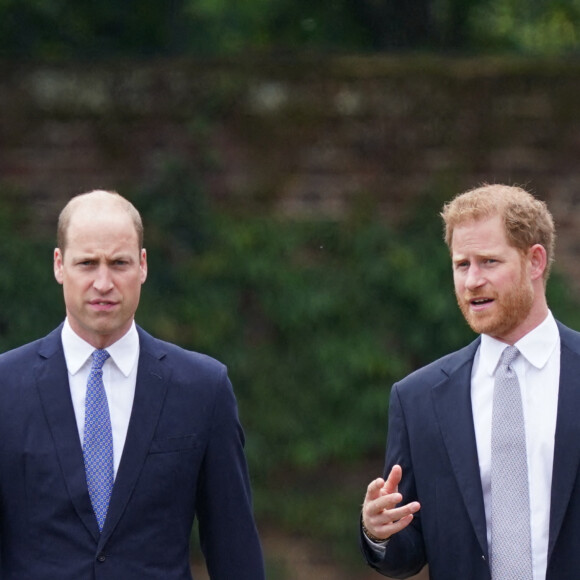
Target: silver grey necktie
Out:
[511,548]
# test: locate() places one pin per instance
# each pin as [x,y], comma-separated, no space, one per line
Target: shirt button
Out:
[101,557]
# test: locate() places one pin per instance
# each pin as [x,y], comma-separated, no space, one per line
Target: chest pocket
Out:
[173,444]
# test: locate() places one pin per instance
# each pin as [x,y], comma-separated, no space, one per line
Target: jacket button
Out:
[101,557]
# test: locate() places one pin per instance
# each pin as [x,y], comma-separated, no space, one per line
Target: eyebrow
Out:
[82,256]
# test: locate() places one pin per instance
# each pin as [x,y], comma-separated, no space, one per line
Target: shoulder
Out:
[25,351]
[442,368]
[42,347]
[178,357]
[193,380]
[568,336]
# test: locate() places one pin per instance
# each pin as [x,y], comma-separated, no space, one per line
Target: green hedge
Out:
[315,320]
[57,30]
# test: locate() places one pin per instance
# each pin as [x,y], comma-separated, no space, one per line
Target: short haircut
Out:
[527,220]
[68,210]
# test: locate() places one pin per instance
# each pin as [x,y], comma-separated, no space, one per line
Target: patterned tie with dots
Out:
[511,550]
[98,440]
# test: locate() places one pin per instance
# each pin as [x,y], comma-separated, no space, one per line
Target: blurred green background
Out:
[315,317]
[59,29]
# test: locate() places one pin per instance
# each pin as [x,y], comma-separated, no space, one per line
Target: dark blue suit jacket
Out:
[183,457]
[431,435]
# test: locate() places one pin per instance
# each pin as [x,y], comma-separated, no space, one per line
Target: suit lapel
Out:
[452,403]
[567,438]
[150,393]
[54,391]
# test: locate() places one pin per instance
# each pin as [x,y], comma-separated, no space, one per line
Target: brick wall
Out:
[298,136]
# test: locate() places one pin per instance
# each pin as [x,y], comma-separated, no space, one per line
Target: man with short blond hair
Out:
[111,441]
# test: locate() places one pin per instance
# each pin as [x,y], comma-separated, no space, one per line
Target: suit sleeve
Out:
[404,554]
[228,535]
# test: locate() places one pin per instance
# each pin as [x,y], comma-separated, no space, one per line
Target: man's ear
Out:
[58,265]
[143,265]
[538,261]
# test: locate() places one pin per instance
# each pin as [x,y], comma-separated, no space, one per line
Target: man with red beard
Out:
[477,485]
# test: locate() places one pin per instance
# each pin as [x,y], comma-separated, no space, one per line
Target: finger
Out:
[394,514]
[374,490]
[385,511]
[385,531]
[385,502]
[390,522]
[392,483]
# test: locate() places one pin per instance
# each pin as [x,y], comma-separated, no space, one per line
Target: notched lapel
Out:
[452,403]
[150,391]
[54,391]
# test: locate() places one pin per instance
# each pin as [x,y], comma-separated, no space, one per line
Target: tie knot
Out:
[99,358]
[508,356]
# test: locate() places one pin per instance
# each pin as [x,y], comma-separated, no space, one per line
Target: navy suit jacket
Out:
[183,457]
[432,436]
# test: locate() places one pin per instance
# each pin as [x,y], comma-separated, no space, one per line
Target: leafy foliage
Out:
[31,299]
[56,29]
[546,27]
[315,320]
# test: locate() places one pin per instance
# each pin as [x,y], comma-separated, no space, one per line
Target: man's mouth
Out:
[102,304]
[479,304]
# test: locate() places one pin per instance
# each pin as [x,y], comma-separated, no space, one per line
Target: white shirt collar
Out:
[536,346]
[124,353]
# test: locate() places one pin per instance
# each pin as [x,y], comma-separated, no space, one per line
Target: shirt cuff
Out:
[377,547]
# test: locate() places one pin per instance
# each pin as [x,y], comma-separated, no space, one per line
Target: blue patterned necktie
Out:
[511,550]
[98,440]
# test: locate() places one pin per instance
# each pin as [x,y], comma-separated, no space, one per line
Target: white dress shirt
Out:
[538,372]
[119,379]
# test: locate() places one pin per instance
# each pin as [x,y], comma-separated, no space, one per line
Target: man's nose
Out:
[103,281]
[474,278]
